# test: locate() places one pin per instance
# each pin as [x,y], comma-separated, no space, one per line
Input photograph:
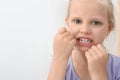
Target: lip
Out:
[84,44]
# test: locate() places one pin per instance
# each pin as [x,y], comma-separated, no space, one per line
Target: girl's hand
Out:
[97,58]
[63,44]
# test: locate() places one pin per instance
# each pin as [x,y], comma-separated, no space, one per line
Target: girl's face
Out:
[88,23]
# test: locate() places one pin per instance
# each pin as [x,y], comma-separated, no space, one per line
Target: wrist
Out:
[58,69]
[60,58]
[99,76]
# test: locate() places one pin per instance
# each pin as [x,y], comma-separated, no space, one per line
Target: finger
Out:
[70,37]
[102,48]
[61,31]
[73,42]
[97,50]
[66,34]
[92,52]
[88,55]
[67,28]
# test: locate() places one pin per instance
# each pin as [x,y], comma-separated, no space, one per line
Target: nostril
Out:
[85,31]
[78,39]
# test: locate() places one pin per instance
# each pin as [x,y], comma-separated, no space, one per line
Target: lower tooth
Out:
[85,41]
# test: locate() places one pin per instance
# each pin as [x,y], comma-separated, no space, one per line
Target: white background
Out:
[27,28]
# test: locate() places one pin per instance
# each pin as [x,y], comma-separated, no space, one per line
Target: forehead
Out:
[88,7]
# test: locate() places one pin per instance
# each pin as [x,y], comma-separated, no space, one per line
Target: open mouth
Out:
[85,40]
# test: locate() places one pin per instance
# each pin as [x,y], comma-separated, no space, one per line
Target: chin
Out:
[82,49]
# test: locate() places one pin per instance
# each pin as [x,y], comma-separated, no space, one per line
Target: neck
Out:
[80,65]
[79,57]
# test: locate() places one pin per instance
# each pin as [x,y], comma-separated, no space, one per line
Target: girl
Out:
[79,53]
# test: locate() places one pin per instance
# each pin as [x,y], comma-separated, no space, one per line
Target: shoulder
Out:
[70,73]
[114,62]
[115,58]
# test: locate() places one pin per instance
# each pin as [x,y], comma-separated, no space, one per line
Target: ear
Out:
[110,28]
[67,23]
[66,20]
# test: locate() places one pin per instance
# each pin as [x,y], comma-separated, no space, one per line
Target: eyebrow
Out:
[93,18]
[97,18]
[75,18]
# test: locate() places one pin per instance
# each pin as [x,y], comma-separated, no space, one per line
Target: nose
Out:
[85,29]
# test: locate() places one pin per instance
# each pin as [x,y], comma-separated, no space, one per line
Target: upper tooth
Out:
[85,40]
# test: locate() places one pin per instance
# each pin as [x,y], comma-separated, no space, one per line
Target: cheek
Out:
[100,36]
[74,30]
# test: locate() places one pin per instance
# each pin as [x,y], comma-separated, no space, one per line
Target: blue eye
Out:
[96,23]
[76,21]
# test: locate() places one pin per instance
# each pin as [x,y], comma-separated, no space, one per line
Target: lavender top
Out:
[113,69]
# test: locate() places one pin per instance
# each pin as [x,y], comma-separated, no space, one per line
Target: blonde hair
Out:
[109,6]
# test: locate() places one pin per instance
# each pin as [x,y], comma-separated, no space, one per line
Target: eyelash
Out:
[76,21]
[95,23]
